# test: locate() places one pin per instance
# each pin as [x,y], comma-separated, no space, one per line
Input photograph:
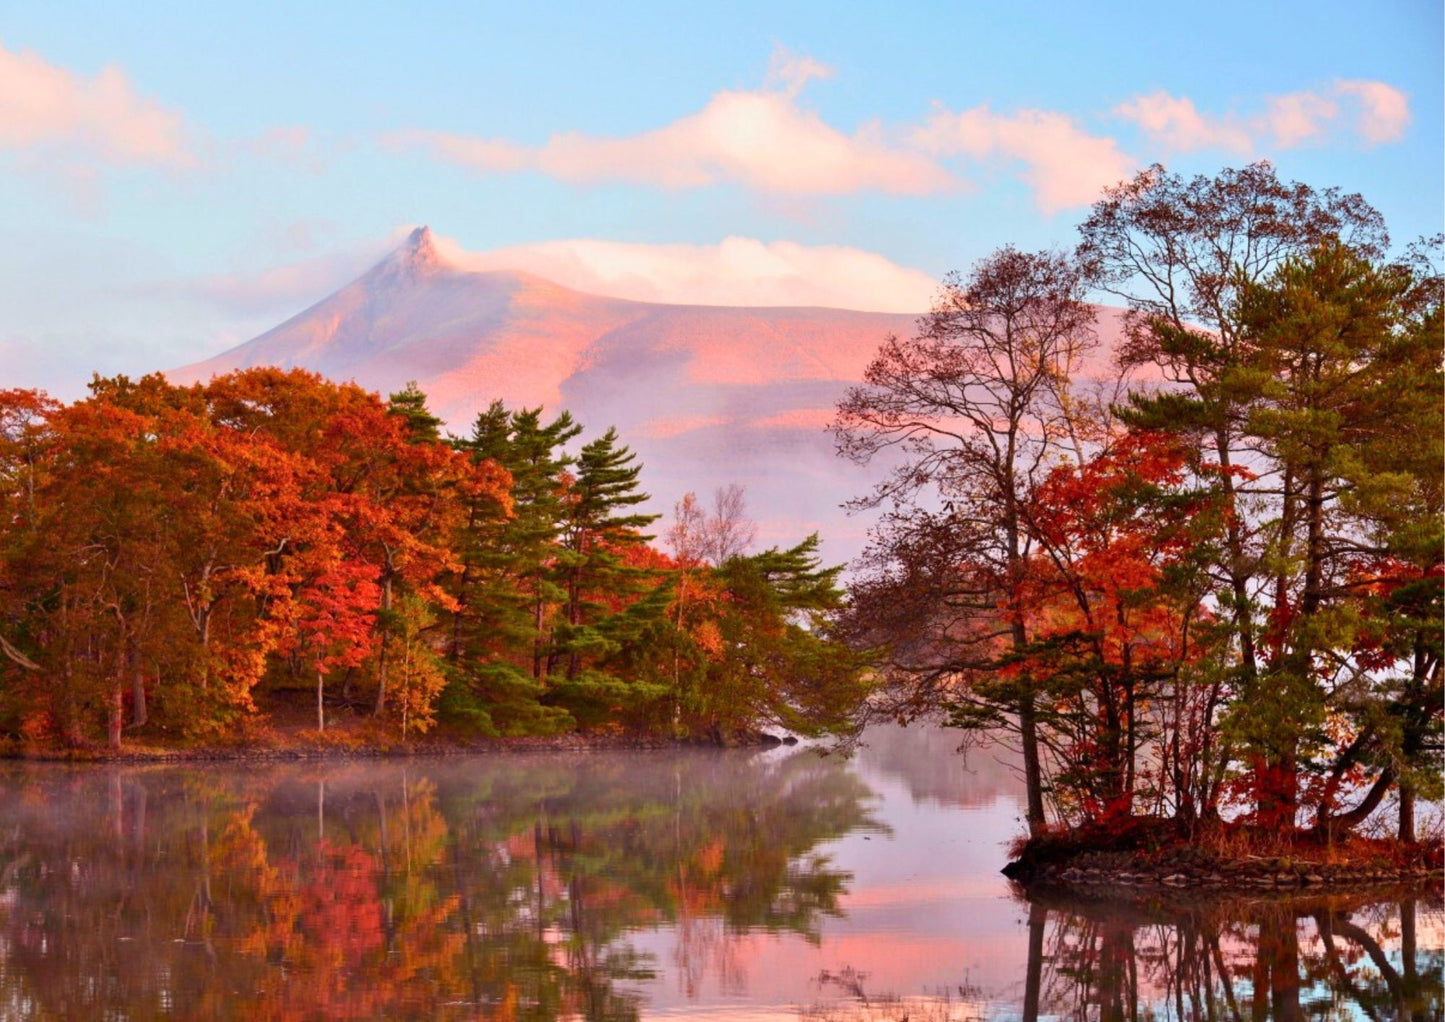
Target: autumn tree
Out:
[195,554]
[728,531]
[26,445]
[969,416]
[1114,597]
[699,537]
[1183,253]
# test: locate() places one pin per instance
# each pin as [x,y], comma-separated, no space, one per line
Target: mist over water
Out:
[738,884]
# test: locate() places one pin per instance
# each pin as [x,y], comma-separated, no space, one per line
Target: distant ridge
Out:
[705,394]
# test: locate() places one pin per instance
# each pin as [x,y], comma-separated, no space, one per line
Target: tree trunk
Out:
[1033,772]
[320,704]
[138,699]
[381,665]
[1276,796]
[1033,977]
[1407,812]
[117,714]
[574,618]
[1342,822]
[1028,714]
[205,630]
[1239,573]
[538,661]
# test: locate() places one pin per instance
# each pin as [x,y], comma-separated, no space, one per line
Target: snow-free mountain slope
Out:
[706,395]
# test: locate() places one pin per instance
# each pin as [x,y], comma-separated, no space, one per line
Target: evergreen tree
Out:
[409,404]
[1337,392]
[598,530]
[509,587]
[775,662]
[614,598]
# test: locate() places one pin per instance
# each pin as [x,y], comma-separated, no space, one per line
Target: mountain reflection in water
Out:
[733,884]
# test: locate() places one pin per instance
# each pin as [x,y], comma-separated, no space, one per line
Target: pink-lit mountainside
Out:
[706,395]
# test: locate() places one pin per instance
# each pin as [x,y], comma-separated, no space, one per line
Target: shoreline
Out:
[1182,905]
[1280,876]
[1148,857]
[343,749]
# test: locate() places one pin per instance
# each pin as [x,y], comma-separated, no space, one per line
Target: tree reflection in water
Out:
[1236,958]
[498,888]
[1227,960]
[530,887]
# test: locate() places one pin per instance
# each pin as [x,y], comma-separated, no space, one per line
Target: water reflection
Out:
[775,885]
[496,888]
[1261,958]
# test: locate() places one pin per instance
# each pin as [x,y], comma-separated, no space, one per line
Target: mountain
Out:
[706,395]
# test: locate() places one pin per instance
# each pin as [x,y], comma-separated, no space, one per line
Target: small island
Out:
[1189,559]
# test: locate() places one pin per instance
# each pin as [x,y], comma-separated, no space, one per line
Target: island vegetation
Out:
[1200,581]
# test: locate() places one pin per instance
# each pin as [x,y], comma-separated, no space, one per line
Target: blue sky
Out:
[175,179]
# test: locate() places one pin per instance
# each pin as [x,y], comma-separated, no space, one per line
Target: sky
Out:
[175,179]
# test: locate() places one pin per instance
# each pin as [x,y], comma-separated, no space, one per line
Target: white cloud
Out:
[736,271]
[44,107]
[1065,165]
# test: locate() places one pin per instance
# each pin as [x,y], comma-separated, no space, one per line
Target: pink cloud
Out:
[791,71]
[799,418]
[1065,165]
[478,153]
[291,146]
[1298,117]
[44,106]
[735,271]
[1305,117]
[670,427]
[1384,111]
[763,139]
[1174,122]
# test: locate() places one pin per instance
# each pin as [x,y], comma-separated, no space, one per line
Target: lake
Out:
[727,885]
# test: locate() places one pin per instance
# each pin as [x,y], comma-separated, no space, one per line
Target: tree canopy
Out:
[1208,576]
[180,562]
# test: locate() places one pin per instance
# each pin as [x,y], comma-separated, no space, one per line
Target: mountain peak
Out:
[417,256]
[421,249]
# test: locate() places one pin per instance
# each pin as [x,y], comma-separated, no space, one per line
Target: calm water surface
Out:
[726,885]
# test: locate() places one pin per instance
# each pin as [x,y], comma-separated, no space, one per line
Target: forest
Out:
[183,564]
[1197,577]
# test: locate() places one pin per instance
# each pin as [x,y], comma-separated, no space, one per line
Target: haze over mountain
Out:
[706,395]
